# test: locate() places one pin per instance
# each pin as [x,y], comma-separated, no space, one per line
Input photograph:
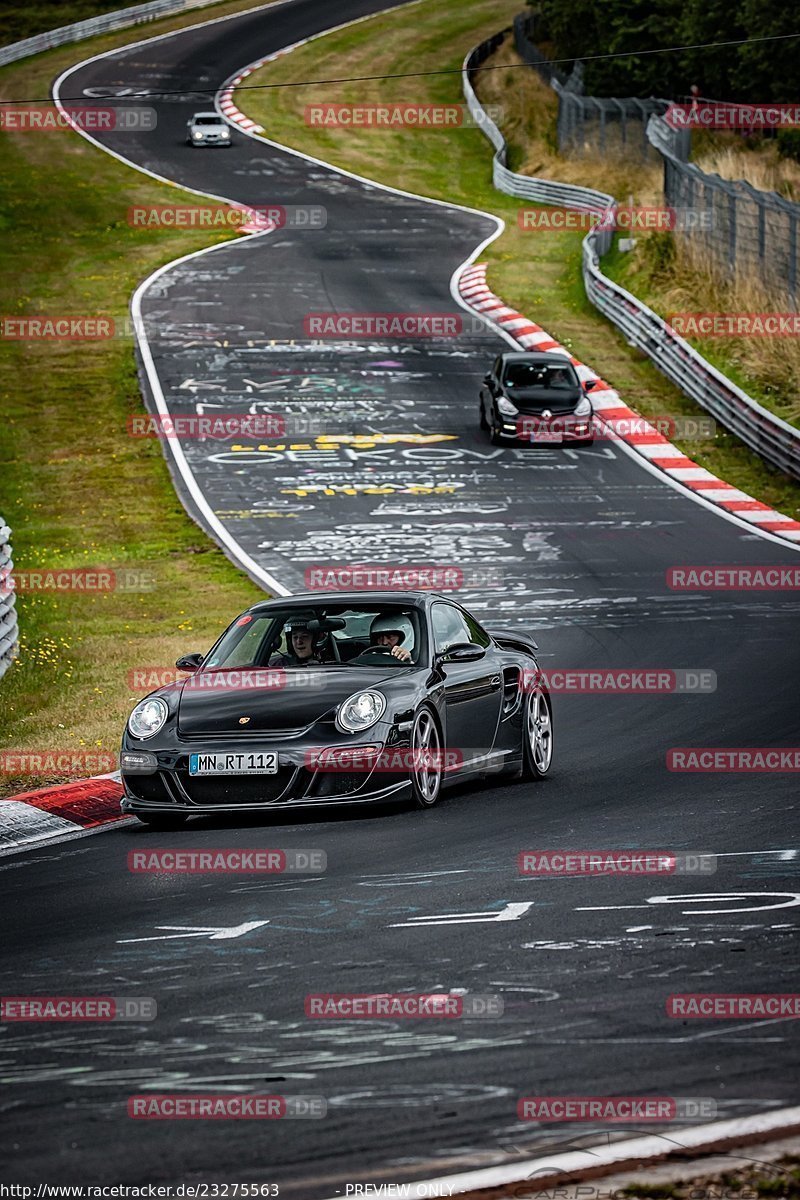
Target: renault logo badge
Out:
[244,720]
[546,415]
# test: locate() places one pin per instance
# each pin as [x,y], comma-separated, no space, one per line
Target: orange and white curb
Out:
[611,411]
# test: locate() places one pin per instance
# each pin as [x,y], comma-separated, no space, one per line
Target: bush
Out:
[788,142]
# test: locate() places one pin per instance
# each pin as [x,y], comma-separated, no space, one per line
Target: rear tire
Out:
[163,821]
[537,735]
[426,780]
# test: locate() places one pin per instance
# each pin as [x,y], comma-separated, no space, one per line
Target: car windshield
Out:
[543,376]
[333,635]
[208,121]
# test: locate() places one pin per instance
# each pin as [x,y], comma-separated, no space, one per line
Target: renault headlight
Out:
[584,407]
[506,408]
[148,717]
[360,711]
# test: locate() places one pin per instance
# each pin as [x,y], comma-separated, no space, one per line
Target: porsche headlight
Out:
[506,408]
[148,717]
[360,711]
[584,407]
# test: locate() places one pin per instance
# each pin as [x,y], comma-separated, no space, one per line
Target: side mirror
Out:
[463,652]
[190,662]
[588,384]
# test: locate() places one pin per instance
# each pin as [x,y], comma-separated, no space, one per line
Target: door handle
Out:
[495,682]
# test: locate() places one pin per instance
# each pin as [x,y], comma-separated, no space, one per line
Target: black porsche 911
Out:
[337,698]
[536,397]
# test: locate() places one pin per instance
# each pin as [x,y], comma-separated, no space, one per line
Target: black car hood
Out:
[532,399]
[275,700]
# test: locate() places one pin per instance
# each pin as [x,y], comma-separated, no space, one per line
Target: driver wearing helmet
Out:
[301,644]
[393,633]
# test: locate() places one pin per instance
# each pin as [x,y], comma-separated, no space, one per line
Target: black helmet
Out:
[299,623]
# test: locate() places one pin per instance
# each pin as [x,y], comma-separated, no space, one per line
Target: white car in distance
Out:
[208,129]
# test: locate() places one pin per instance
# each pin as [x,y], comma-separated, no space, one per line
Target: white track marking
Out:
[511,912]
[214,933]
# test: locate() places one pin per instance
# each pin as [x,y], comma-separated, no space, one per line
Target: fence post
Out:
[9,634]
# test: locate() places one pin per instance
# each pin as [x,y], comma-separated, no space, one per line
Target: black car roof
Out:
[310,599]
[534,356]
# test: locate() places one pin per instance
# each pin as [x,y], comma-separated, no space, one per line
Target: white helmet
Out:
[389,624]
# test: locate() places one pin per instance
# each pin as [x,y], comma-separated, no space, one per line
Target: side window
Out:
[477,633]
[449,627]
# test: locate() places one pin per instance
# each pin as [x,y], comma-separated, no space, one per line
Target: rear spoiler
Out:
[513,641]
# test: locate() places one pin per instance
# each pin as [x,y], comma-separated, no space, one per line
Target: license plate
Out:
[263,762]
[550,437]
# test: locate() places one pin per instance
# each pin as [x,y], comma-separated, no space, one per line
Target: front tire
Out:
[426,760]
[537,735]
[483,421]
[163,821]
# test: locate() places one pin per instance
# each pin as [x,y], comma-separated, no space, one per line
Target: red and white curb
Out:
[257,223]
[540,1175]
[59,813]
[623,423]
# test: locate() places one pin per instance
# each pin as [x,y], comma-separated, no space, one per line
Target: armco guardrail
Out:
[104,23]
[747,229]
[775,440]
[8,612]
[543,191]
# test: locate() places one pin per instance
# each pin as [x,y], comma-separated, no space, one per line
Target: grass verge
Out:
[538,273]
[76,490]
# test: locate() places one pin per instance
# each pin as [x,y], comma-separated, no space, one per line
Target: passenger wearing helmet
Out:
[394,634]
[301,643]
